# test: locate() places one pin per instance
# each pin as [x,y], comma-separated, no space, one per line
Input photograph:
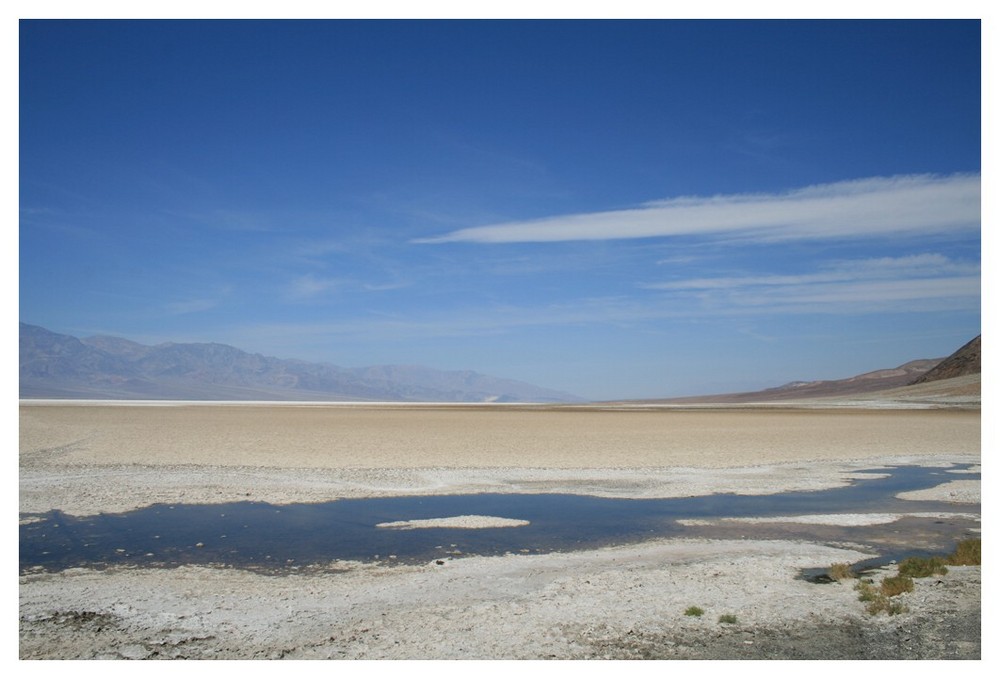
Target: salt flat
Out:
[331,436]
[613,602]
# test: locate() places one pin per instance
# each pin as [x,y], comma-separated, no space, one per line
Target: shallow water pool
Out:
[288,537]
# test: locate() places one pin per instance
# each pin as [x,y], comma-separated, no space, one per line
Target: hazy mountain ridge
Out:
[964,363]
[53,365]
[885,378]
[876,380]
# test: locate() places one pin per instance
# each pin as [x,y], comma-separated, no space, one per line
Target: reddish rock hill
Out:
[965,361]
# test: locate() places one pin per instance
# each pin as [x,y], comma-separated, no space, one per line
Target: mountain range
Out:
[965,362]
[54,365]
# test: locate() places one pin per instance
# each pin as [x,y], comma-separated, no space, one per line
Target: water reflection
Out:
[281,537]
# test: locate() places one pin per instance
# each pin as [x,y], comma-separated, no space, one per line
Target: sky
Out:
[617,209]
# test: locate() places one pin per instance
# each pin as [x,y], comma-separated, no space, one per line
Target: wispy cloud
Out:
[878,206]
[917,282]
[191,306]
[915,266]
[855,287]
[237,220]
[309,286]
[864,295]
[385,287]
[461,322]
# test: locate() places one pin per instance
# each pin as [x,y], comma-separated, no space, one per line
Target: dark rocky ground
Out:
[956,636]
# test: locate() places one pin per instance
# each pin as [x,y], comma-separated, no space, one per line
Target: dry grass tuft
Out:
[896,584]
[919,567]
[841,571]
[967,553]
[866,591]
[879,599]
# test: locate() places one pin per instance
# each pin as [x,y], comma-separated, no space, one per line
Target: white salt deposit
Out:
[953,491]
[466,521]
[828,519]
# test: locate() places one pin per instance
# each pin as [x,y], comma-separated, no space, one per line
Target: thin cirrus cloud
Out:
[309,286]
[191,306]
[878,206]
[925,282]
[914,266]
[916,282]
[911,295]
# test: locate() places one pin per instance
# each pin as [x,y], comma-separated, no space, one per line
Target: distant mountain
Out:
[877,380]
[53,365]
[965,361]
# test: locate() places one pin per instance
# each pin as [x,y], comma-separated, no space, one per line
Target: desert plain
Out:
[623,601]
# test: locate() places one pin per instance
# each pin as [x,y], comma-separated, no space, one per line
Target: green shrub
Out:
[695,611]
[896,584]
[918,567]
[727,619]
[866,591]
[876,605]
[840,571]
[877,599]
[967,553]
[884,604]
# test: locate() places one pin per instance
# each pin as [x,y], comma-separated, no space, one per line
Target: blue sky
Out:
[611,208]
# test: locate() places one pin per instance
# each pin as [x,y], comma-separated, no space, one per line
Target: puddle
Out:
[282,538]
[867,567]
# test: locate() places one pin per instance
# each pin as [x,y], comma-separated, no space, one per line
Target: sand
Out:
[420,436]
[621,602]
[87,458]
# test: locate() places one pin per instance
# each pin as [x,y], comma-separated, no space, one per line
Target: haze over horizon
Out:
[627,209]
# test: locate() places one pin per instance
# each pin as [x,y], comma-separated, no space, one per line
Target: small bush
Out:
[876,605]
[866,591]
[840,571]
[895,608]
[917,567]
[877,599]
[896,584]
[883,604]
[695,611]
[727,619]
[967,553]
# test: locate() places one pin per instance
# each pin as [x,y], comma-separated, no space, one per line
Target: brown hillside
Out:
[965,361]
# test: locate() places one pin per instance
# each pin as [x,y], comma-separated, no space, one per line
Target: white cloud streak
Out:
[191,306]
[865,269]
[917,282]
[865,295]
[879,206]
[841,297]
[309,286]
